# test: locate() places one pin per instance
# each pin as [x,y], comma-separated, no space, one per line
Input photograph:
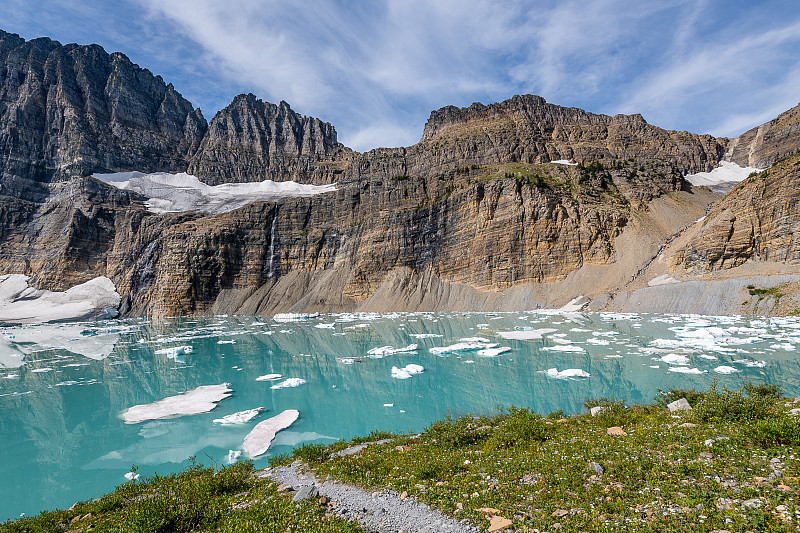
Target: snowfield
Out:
[722,179]
[175,193]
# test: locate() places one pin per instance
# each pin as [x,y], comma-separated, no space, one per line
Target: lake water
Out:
[63,387]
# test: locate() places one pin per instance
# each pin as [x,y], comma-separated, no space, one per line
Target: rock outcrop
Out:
[758,220]
[68,111]
[529,130]
[761,146]
[251,140]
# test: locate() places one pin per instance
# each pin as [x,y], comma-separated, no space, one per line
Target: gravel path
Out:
[378,512]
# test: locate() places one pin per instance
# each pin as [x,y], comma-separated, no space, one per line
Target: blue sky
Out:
[375,69]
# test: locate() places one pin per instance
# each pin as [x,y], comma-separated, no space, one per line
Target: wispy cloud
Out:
[376,69]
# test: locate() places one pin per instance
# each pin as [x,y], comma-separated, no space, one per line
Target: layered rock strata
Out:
[763,145]
[758,220]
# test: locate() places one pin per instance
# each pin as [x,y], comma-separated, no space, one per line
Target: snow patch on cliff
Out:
[175,193]
[722,179]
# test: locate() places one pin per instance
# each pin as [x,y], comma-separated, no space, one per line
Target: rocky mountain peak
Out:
[71,110]
[280,143]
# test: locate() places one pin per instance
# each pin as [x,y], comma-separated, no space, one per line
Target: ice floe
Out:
[407,371]
[239,418]
[269,377]
[525,335]
[383,351]
[22,304]
[289,383]
[566,374]
[176,351]
[233,456]
[171,193]
[258,441]
[196,401]
[294,317]
[724,369]
[461,347]
[564,348]
[493,352]
[131,476]
[675,359]
[686,370]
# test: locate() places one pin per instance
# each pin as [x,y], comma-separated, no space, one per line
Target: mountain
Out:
[480,214]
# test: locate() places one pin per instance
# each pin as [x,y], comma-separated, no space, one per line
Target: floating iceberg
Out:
[233,456]
[407,371]
[294,317]
[196,401]
[239,418]
[175,352]
[21,304]
[461,347]
[493,352]
[726,370]
[269,377]
[383,351]
[257,442]
[525,335]
[686,370]
[566,374]
[564,348]
[173,193]
[289,383]
[675,359]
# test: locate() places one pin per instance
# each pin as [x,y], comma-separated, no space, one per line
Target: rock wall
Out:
[251,140]
[757,220]
[763,145]
[69,111]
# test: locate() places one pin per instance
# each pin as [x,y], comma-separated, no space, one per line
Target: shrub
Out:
[453,432]
[518,427]
[776,430]
[310,452]
[728,405]
[670,395]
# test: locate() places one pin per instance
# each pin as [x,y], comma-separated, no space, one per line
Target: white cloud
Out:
[376,69]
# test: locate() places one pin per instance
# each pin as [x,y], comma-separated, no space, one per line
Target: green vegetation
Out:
[731,463]
[199,499]
[772,291]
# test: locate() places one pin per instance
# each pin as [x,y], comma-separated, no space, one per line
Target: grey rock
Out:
[305,493]
[597,468]
[597,409]
[679,405]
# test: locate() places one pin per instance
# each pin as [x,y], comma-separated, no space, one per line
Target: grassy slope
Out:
[661,476]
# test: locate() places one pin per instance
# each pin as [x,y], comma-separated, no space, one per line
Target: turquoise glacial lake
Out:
[64,387]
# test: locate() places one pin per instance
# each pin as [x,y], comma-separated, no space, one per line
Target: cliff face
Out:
[529,130]
[251,140]
[758,220]
[761,146]
[68,111]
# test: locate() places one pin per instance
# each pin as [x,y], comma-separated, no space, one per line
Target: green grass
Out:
[198,499]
